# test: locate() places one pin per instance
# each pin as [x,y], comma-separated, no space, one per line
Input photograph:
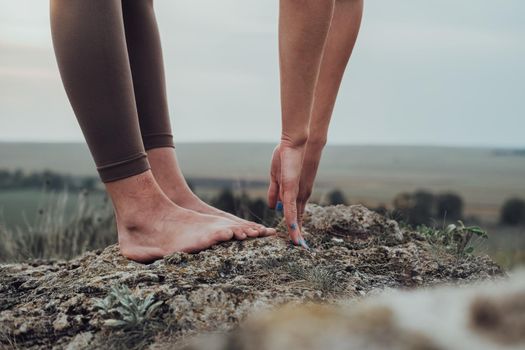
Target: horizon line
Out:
[329,144]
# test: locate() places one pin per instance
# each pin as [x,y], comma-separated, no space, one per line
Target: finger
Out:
[290,215]
[273,194]
[289,194]
[275,175]
[279,207]
[300,211]
[291,162]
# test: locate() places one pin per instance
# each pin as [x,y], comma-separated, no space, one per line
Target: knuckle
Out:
[292,212]
[291,205]
[290,201]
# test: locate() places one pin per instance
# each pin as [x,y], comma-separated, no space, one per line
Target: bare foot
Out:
[167,173]
[170,229]
[150,226]
[192,202]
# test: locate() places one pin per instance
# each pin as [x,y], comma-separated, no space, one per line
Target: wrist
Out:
[316,143]
[298,140]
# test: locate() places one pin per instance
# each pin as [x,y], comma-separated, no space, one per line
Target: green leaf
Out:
[99,303]
[153,307]
[115,323]
[451,228]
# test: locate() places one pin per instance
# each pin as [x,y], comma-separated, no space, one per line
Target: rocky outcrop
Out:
[354,253]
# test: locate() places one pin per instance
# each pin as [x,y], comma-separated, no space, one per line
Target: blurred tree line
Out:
[244,207]
[513,212]
[418,208]
[425,208]
[256,209]
[47,179]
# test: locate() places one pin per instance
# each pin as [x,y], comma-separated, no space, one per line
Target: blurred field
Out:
[21,207]
[367,174]
[17,205]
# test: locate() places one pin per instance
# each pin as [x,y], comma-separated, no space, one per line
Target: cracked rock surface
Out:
[354,252]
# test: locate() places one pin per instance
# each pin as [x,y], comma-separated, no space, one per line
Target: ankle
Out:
[176,191]
[183,197]
[136,196]
[141,218]
[166,171]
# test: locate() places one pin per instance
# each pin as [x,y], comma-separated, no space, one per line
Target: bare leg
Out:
[339,45]
[147,66]
[90,47]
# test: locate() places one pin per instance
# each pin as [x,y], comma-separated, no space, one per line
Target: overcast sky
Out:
[441,72]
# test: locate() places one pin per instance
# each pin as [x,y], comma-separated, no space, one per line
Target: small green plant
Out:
[456,238]
[123,310]
[462,236]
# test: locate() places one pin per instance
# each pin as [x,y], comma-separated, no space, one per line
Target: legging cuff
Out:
[133,165]
[158,140]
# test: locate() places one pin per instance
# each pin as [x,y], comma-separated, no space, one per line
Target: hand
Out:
[285,177]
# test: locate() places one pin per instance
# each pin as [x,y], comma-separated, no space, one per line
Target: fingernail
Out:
[293,226]
[279,206]
[304,244]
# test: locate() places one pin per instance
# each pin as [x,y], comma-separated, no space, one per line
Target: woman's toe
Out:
[251,232]
[224,235]
[239,233]
[261,229]
[270,231]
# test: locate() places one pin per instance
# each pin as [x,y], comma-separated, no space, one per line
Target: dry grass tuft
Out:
[56,233]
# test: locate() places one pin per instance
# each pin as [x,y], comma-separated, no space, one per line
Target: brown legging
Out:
[110,60]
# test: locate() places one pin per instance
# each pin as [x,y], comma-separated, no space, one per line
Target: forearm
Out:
[303,27]
[340,42]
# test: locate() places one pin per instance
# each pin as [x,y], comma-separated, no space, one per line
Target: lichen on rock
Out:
[355,221]
[354,252]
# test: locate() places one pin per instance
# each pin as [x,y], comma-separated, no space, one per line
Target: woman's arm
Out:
[303,27]
[339,45]
[310,81]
